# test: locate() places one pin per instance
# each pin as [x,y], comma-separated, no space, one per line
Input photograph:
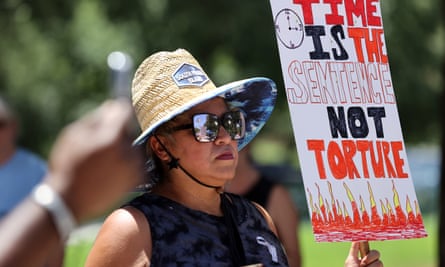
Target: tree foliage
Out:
[53,55]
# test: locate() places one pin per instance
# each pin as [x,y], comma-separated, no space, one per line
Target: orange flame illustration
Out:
[330,218]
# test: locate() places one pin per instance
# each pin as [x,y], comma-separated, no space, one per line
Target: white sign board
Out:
[345,120]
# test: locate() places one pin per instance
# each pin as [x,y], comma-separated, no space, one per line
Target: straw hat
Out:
[168,83]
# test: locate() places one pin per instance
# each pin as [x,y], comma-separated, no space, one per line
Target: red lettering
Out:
[317,146]
[396,147]
[299,94]
[370,11]
[356,8]
[341,159]
[389,168]
[373,43]
[310,73]
[376,161]
[372,48]
[364,10]
[334,18]
[378,37]
[388,91]
[336,161]
[349,151]
[357,34]
[307,9]
[363,146]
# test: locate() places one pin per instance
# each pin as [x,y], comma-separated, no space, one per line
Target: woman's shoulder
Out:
[127,220]
[124,237]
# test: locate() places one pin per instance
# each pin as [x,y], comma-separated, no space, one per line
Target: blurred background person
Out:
[20,169]
[78,170]
[257,185]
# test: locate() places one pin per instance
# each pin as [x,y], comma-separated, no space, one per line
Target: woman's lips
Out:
[225,156]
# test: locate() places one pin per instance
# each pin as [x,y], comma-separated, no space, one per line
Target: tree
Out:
[54,52]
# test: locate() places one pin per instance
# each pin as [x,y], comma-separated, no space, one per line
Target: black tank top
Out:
[260,192]
[187,237]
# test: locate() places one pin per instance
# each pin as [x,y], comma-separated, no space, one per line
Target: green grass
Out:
[76,254]
[407,253]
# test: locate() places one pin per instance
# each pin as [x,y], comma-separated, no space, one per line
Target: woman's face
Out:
[212,163]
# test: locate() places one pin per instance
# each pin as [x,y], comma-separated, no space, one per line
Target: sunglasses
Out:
[205,126]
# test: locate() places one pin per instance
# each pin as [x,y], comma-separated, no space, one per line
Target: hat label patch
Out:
[189,75]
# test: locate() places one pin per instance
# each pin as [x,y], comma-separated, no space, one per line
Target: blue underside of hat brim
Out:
[255,96]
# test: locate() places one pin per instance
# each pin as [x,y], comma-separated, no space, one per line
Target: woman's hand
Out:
[372,259]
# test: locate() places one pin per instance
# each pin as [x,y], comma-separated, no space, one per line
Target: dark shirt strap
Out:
[260,192]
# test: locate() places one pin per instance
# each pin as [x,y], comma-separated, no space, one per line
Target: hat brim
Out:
[255,96]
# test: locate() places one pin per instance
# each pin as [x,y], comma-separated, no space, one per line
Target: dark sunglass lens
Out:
[234,123]
[205,127]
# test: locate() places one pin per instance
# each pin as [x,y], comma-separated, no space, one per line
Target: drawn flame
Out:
[333,214]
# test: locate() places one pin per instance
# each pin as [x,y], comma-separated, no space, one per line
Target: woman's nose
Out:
[223,136]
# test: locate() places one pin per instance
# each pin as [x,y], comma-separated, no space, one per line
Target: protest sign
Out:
[345,120]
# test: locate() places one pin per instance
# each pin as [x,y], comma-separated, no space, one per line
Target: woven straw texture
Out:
[154,91]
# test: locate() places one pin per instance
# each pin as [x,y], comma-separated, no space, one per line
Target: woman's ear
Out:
[157,148]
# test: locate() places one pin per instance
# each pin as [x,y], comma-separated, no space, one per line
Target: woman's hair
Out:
[154,169]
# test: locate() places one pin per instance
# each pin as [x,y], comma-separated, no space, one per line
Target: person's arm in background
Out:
[285,216]
[91,166]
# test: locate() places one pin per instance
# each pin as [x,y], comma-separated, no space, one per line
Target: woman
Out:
[192,131]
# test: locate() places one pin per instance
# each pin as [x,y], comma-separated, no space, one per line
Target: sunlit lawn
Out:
[406,253]
[76,254]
